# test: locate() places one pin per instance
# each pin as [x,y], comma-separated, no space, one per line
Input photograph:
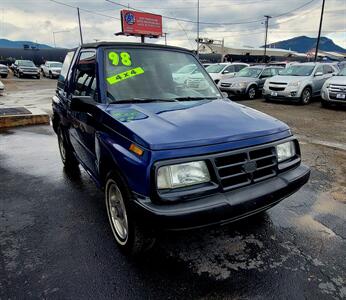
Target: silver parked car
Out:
[249,81]
[3,71]
[334,90]
[51,69]
[299,82]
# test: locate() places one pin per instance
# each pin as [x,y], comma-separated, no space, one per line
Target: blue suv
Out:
[169,157]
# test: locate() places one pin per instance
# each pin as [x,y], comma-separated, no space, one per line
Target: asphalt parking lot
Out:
[55,241]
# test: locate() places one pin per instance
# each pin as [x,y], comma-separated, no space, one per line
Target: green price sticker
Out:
[125,75]
[124,57]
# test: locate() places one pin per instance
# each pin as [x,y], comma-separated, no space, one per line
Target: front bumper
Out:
[286,95]
[332,97]
[221,208]
[233,90]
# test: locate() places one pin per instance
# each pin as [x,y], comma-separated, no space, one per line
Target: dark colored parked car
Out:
[3,71]
[249,81]
[167,156]
[23,68]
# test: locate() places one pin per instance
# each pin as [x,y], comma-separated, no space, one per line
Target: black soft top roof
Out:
[125,44]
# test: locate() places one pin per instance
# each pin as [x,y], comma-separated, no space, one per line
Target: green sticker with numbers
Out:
[125,75]
[123,57]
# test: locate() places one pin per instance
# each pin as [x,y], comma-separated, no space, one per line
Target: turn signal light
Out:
[135,149]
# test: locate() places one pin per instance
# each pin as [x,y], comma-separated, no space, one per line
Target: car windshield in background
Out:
[154,74]
[249,72]
[26,64]
[186,69]
[55,65]
[297,70]
[342,72]
[215,68]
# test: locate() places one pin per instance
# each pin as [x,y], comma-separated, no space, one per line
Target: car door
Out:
[318,80]
[266,73]
[82,129]
[228,72]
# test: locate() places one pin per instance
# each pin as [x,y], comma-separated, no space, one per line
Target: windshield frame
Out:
[101,64]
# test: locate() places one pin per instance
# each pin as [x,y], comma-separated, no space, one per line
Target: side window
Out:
[319,69]
[65,66]
[230,69]
[239,67]
[266,73]
[85,75]
[327,69]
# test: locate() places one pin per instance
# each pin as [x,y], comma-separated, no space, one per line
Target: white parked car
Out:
[2,88]
[334,90]
[183,73]
[51,69]
[224,70]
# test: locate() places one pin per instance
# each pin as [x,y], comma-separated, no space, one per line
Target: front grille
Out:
[276,88]
[278,83]
[337,88]
[248,167]
[225,84]
[334,97]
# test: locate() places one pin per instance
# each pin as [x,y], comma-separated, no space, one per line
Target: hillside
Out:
[4,43]
[303,44]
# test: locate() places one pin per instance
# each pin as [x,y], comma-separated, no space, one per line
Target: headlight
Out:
[285,151]
[297,83]
[239,84]
[180,175]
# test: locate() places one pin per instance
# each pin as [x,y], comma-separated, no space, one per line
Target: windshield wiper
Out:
[189,98]
[141,100]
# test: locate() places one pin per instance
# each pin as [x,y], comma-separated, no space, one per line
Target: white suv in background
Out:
[298,82]
[224,70]
[334,90]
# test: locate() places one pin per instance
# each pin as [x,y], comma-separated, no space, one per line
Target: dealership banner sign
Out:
[140,23]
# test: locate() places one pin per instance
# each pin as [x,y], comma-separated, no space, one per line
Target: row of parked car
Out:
[295,82]
[27,68]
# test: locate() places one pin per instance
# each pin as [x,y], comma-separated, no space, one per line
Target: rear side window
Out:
[327,69]
[66,66]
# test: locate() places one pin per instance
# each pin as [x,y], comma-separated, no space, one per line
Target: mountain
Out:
[303,44]
[4,43]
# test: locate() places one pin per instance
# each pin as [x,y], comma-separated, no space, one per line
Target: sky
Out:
[36,20]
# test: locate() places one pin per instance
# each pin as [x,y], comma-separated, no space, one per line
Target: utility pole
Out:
[319,31]
[80,27]
[165,34]
[197,28]
[266,36]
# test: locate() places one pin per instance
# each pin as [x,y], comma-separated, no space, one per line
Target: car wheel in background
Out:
[131,238]
[305,98]
[50,75]
[251,93]
[3,76]
[67,156]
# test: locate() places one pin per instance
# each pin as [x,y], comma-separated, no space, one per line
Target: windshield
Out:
[215,68]
[26,63]
[55,65]
[249,72]
[342,72]
[143,74]
[298,70]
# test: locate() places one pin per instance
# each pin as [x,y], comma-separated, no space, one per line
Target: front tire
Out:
[305,98]
[251,93]
[131,238]
[67,156]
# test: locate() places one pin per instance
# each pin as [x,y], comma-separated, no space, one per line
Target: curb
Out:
[36,117]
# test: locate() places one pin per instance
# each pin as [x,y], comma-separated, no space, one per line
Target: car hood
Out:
[172,125]
[337,80]
[55,69]
[27,68]
[240,79]
[288,79]
[215,76]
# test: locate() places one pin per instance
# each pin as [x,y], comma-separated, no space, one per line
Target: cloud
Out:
[37,20]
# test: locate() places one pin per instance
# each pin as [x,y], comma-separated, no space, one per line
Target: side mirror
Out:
[82,103]
[318,74]
[224,94]
[225,72]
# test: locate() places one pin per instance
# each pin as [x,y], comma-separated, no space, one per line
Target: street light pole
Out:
[266,36]
[80,27]
[197,28]
[319,31]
